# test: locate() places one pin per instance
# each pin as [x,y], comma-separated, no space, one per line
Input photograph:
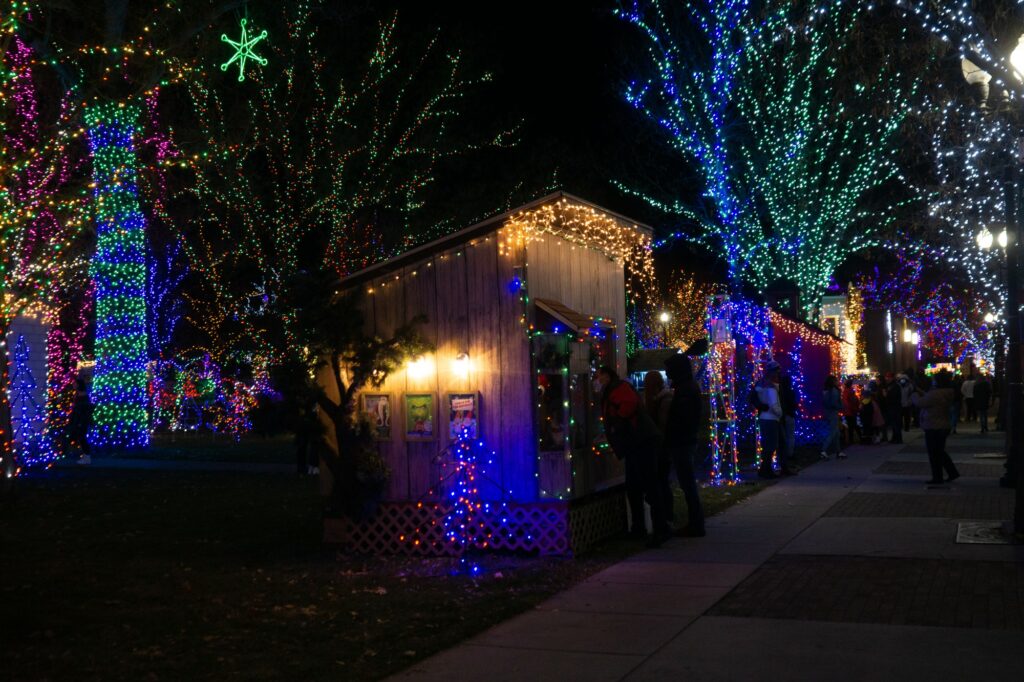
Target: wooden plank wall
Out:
[518,429]
[589,283]
[464,294]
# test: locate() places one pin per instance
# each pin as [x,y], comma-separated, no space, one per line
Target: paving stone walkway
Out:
[849,571]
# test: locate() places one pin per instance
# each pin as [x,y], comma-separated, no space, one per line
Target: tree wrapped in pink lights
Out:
[41,206]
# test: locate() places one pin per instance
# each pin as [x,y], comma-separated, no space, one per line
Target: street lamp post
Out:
[1009,240]
[664,319]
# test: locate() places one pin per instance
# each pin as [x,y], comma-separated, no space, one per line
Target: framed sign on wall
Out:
[463,415]
[378,409]
[420,416]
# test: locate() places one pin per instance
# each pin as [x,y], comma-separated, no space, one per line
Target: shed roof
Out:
[479,229]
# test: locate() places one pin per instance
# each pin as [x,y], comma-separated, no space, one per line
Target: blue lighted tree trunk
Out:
[118,270]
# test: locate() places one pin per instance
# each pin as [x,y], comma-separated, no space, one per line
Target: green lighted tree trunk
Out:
[118,269]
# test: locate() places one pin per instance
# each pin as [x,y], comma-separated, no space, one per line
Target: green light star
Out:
[243,50]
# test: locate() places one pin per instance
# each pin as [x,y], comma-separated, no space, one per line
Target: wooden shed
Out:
[521,308]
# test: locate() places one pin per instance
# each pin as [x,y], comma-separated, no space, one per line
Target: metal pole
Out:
[1013,332]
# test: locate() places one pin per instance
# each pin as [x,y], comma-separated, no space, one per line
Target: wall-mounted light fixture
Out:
[460,365]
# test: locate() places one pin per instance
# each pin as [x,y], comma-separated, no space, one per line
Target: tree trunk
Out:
[118,269]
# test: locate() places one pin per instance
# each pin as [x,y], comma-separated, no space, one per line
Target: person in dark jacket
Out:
[982,400]
[831,404]
[894,411]
[80,421]
[634,438]
[851,410]
[657,400]
[958,399]
[681,432]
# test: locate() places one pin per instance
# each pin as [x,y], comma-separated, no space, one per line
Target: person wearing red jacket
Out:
[633,437]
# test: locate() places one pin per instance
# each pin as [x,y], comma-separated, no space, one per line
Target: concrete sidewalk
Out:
[849,571]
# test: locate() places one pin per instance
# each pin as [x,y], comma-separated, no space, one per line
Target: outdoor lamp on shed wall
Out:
[460,365]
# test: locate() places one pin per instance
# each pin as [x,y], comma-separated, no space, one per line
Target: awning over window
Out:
[575,321]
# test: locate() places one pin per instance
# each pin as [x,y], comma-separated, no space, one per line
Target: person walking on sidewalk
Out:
[934,404]
[682,426]
[633,437]
[832,403]
[769,415]
[851,407]
[982,400]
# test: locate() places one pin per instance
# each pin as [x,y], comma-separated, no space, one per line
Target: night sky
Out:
[559,68]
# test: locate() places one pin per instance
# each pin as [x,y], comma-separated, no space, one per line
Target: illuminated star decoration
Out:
[243,50]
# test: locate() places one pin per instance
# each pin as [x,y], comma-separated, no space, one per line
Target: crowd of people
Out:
[657,433]
[883,408]
[654,435]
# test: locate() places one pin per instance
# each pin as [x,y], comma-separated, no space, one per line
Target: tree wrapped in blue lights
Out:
[783,145]
[118,269]
[28,417]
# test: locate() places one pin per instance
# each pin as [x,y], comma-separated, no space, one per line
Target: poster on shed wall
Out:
[377,408]
[419,416]
[463,415]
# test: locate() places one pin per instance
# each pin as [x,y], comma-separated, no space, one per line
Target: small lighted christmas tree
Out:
[465,522]
[28,418]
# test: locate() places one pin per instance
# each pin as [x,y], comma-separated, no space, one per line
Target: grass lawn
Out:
[114,574]
[206,446]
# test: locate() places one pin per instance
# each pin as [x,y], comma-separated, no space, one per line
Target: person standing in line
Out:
[881,420]
[851,408]
[906,385]
[982,399]
[769,415]
[787,425]
[832,403]
[894,411]
[867,414]
[682,426]
[633,437]
[968,390]
[657,401]
[934,402]
[81,421]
